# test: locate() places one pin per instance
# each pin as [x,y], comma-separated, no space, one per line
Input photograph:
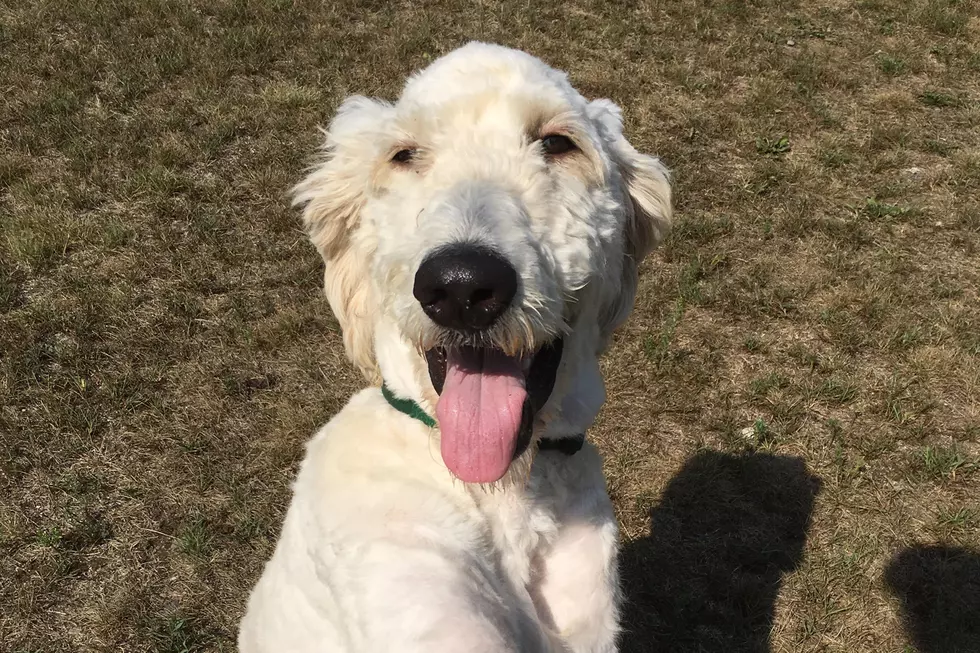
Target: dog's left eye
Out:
[403,156]
[557,144]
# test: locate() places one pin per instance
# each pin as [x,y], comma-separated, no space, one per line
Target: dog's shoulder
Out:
[371,466]
[365,436]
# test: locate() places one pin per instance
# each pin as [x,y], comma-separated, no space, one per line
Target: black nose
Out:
[465,287]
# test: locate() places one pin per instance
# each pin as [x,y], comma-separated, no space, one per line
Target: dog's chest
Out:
[523,524]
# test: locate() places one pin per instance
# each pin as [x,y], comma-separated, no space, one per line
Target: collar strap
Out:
[567,446]
[407,406]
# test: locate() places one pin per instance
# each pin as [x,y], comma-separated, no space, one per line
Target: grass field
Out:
[792,436]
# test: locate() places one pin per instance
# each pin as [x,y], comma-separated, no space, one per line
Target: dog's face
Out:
[481,239]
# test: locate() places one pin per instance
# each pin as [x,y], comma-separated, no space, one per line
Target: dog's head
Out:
[481,239]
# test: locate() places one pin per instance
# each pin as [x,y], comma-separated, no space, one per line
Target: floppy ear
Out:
[332,196]
[646,185]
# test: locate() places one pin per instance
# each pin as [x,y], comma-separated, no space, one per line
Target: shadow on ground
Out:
[939,589]
[726,530]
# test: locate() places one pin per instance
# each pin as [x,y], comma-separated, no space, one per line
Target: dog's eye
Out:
[557,144]
[403,156]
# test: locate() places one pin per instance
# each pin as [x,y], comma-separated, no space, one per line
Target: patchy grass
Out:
[876,209]
[892,65]
[946,462]
[658,345]
[49,537]
[792,432]
[196,538]
[772,145]
[938,99]
[179,634]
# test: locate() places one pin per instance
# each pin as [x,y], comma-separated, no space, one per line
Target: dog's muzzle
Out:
[488,399]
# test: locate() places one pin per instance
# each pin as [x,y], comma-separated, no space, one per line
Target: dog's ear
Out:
[332,196]
[648,207]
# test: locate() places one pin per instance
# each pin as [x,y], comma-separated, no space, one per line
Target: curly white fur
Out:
[381,549]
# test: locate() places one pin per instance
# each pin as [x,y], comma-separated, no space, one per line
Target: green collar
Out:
[408,407]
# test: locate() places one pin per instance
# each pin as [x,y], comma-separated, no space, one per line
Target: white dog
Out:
[481,239]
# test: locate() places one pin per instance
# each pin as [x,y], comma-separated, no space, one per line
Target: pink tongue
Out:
[479,413]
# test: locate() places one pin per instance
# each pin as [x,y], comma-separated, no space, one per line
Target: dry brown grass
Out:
[794,410]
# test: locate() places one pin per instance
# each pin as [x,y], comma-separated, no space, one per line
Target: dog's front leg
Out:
[580,588]
[578,579]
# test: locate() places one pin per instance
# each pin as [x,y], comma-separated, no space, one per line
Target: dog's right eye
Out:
[403,156]
[557,144]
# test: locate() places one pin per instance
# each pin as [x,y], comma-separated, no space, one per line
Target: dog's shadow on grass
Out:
[939,590]
[724,533]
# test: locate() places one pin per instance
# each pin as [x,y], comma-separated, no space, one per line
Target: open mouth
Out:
[487,404]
